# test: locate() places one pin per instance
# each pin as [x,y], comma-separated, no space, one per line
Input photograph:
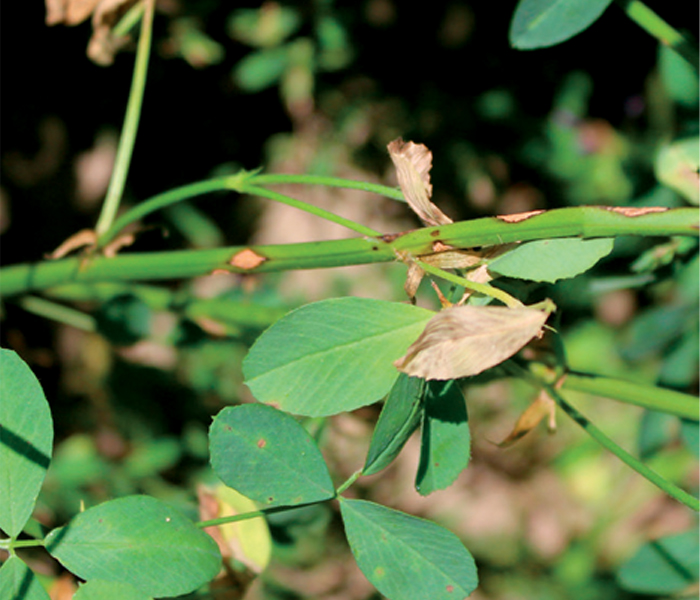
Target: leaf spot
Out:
[450,588]
[262,443]
[631,211]
[379,572]
[247,259]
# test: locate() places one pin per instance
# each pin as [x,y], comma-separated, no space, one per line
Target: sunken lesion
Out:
[632,211]
[247,259]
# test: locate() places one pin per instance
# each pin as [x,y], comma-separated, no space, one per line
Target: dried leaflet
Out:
[543,406]
[413,163]
[465,340]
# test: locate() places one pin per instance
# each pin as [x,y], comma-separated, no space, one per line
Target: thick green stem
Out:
[585,222]
[131,123]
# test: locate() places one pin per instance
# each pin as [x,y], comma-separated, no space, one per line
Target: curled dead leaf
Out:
[413,163]
[465,340]
[543,406]
[85,238]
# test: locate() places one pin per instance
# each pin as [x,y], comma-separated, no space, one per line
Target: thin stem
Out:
[163,200]
[348,482]
[58,312]
[131,123]
[662,483]
[310,208]
[10,544]
[636,464]
[651,397]
[655,26]
[251,515]
[351,184]
[481,288]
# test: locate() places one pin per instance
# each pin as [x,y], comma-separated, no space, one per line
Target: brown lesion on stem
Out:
[247,259]
[632,211]
[518,217]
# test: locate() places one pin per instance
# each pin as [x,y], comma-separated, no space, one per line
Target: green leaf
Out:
[26,440]
[267,456]
[18,582]
[261,69]
[398,420]
[140,540]
[677,167]
[407,558]
[550,260]
[541,23]
[99,589]
[445,441]
[664,566]
[332,356]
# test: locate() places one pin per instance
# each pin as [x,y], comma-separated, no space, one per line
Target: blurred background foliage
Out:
[321,87]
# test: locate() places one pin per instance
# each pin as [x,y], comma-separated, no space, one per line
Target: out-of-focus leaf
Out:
[266,455]
[690,432]
[407,558]
[664,566]
[124,319]
[194,45]
[398,420]
[26,440]
[550,260]
[247,542]
[465,340]
[341,355]
[679,77]
[261,69]
[678,166]
[654,329]
[655,432]
[265,27]
[542,23]
[445,437]
[18,582]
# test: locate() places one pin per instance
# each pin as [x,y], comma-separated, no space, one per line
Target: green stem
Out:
[10,544]
[348,482]
[131,123]
[632,462]
[309,208]
[58,312]
[375,188]
[655,26]
[651,397]
[662,483]
[585,222]
[250,515]
[163,200]
[481,288]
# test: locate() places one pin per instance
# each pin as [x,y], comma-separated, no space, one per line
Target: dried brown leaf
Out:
[465,340]
[69,12]
[85,238]
[542,407]
[413,163]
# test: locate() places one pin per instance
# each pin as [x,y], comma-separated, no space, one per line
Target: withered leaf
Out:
[543,406]
[413,163]
[465,340]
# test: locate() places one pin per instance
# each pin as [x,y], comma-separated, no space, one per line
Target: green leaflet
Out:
[267,456]
[17,581]
[445,438]
[140,540]
[664,566]
[26,440]
[541,23]
[551,260]
[332,356]
[407,558]
[98,589]
[398,420]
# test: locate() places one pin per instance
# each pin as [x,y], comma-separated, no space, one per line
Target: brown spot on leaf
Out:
[220,272]
[517,217]
[247,259]
[632,211]
[450,588]
[262,443]
[435,233]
